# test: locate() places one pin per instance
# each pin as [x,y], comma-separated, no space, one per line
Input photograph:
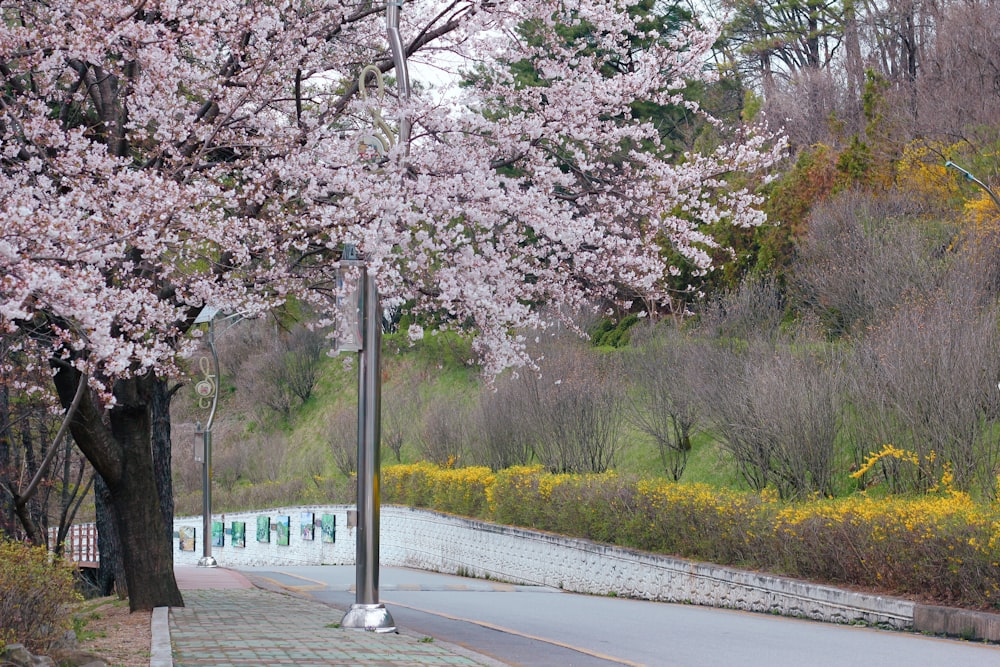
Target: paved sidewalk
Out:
[228,622]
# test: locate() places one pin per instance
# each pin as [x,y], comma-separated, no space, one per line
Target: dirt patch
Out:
[111,632]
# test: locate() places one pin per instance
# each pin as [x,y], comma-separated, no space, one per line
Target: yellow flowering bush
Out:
[942,546]
[461,490]
[455,490]
[410,484]
[694,520]
[519,495]
[921,173]
[906,471]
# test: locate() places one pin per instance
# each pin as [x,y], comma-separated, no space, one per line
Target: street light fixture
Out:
[208,397]
[970,177]
[367,612]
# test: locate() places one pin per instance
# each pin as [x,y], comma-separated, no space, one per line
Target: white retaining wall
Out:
[431,541]
[298,552]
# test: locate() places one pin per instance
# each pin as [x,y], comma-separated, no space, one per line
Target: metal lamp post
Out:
[362,321]
[208,396]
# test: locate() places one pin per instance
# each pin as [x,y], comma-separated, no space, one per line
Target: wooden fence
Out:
[81,544]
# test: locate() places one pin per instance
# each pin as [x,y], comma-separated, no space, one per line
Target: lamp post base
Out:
[370,617]
[207,561]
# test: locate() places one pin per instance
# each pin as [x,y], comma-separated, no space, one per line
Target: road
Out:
[539,626]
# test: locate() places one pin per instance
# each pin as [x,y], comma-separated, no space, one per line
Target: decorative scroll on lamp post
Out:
[208,397]
[361,321]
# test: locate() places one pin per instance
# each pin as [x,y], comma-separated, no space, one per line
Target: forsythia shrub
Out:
[409,484]
[943,546]
[946,547]
[695,520]
[36,592]
[455,490]
[461,490]
[517,496]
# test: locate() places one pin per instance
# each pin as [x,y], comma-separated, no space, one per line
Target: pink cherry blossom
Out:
[161,155]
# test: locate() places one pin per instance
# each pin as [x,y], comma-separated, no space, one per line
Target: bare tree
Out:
[959,85]
[753,310]
[580,409]
[925,381]
[815,106]
[797,406]
[861,255]
[567,414]
[663,404]
[43,477]
[342,436]
[769,391]
[776,409]
[402,405]
[302,354]
[505,430]
[445,431]
[277,369]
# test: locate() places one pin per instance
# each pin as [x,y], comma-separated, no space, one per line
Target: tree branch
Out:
[23,498]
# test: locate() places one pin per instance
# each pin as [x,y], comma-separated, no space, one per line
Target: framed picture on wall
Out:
[263,529]
[283,523]
[186,534]
[307,520]
[239,534]
[328,528]
[218,534]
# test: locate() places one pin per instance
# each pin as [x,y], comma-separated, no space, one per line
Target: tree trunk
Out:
[8,517]
[118,442]
[854,63]
[111,567]
[161,453]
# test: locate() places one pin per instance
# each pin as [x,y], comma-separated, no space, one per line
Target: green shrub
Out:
[609,334]
[36,594]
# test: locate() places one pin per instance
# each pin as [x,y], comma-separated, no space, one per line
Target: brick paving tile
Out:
[250,627]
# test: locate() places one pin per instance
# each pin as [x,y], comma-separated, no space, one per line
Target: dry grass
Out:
[111,632]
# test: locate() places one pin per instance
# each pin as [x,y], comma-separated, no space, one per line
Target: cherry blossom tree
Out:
[163,155]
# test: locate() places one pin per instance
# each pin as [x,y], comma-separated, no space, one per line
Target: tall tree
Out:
[168,155]
[781,38]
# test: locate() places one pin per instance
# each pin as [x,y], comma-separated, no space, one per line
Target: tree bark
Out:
[161,453]
[118,442]
[111,568]
[8,516]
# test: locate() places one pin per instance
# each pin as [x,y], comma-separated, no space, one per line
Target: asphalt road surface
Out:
[537,626]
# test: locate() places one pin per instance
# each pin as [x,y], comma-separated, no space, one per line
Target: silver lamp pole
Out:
[367,613]
[392,13]
[207,388]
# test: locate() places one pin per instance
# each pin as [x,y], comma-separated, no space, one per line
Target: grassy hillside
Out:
[258,447]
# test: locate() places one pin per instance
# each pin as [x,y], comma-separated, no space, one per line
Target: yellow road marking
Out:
[314,585]
[500,628]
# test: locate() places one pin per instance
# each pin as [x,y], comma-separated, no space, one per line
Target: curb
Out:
[953,622]
[160,651]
